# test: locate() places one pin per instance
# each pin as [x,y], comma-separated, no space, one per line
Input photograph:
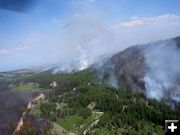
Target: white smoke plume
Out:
[106,73]
[84,40]
[112,79]
[163,77]
[87,39]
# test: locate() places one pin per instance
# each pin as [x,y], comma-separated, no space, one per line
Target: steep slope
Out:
[129,66]
[135,63]
[12,105]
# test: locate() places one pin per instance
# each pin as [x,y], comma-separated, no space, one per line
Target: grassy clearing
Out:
[72,123]
[76,123]
[58,130]
[27,87]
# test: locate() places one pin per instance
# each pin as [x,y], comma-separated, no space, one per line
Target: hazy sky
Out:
[62,31]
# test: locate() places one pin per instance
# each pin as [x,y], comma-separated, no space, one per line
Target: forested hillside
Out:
[83,104]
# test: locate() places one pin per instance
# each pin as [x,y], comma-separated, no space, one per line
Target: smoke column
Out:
[163,77]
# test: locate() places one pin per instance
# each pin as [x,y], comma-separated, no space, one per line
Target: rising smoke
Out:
[163,77]
[112,78]
[106,73]
[87,39]
[83,39]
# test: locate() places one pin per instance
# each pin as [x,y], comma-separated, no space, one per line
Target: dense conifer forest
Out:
[81,99]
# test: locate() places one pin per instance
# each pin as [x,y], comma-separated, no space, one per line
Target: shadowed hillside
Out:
[12,106]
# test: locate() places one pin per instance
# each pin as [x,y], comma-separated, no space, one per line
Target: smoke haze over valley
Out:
[79,39]
[88,36]
[89,67]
